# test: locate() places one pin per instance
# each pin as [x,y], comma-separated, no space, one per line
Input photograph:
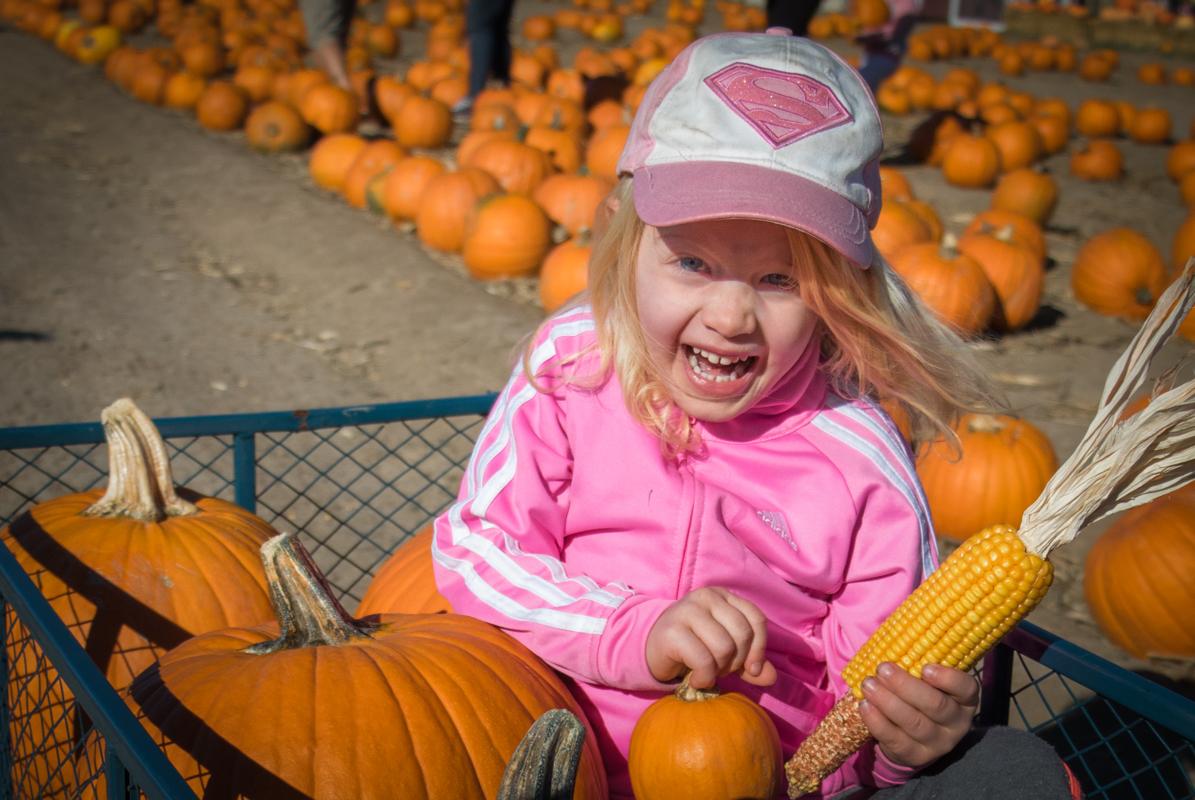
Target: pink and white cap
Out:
[762,126]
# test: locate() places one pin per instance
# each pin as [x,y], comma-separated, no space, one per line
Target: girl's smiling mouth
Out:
[710,367]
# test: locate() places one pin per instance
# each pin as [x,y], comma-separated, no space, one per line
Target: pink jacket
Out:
[572,532]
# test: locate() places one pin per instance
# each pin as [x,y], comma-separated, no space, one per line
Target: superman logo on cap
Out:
[781,106]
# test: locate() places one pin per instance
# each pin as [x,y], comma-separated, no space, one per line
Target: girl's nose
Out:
[730,308]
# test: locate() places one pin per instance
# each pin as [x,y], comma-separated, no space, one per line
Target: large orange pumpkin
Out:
[1004,465]
[405,583]
[132,571]
[375,158]
[572,200]
[704,745]
[276,127]
[320,705]
[221,107]
[445,206]
[1137,578]
[402,188]
[1016,272]
[1119,273]
[332,158]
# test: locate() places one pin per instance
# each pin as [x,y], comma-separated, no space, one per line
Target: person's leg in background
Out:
[792,14]
[487,24]
[327,23]
[882,54]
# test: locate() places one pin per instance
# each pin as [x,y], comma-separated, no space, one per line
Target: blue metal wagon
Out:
[356,481]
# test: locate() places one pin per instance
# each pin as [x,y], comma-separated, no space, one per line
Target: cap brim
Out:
[680,192]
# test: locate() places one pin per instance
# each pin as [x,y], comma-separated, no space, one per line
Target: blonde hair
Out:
[880,341]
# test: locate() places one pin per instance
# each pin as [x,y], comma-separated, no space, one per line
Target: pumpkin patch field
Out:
[191,217]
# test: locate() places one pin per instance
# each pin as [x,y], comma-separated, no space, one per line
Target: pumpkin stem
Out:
[140,483]
[1143,296]
[304,603]
[692,695]
[544,765]
[984,423]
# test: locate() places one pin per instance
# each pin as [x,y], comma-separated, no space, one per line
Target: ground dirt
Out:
[142,256]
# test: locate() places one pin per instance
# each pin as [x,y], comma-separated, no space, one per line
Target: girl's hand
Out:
[916,721]
[711,632]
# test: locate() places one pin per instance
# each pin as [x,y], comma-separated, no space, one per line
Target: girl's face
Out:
[721,312]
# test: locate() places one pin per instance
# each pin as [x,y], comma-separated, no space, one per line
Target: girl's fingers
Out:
[962,686]
[920,695]
[695,656]
[725,648]
[893,704]
[754,660]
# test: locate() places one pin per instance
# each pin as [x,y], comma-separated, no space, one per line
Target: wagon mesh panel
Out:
[354,492]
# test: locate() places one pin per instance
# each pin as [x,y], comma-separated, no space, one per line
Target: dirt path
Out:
[143,256]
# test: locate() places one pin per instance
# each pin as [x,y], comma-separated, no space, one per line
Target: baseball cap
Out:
[764,126]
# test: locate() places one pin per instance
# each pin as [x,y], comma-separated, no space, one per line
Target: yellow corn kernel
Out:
[975,597]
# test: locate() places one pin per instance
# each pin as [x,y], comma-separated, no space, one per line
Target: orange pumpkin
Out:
[1137,577]
[1097,160]
[437,689]
[564,273]
[1150,126]
[571,201]
[1183,247]
[1005,463]
[1014,226]
[329,109]
[375,158]
[1017,274]
[1018,142]
[1097,119]
[951,283]
[182,91]
[1119,273]
[446,204]
[132,571]
[332,157]
[1180,160]
[405,583]
[898,227]
[276,127]
[422,122]
[604,148]
[221,107]
[403,186]
[1027,191]
[518,167]
[673,742]
[508,236]
[970,161]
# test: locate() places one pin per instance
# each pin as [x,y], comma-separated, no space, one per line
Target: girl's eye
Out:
[690,263]
[780,281]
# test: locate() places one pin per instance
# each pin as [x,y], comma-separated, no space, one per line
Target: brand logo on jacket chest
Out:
[775,521]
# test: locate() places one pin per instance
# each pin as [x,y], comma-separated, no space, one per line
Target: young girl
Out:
[689,470]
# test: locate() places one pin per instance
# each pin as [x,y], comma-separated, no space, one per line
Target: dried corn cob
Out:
[997,577]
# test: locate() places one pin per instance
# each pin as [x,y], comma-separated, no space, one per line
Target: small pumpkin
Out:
[508,236]
[970,161]
[1097,160]
[1027,191]
[518,167]
[446,204]
[402,189]
[1097,119]
[898,227]
[1180,160]
[565,272]
[1012,224]
[571,201]
[221,107]
[1017,274]
[1119,273]
[952,284]
[705,745]
[422,122]
[330,109]
[375,158]
[604,148]
[1150,126]
[182,91]
[1004,465]
[332,157]
[276,127]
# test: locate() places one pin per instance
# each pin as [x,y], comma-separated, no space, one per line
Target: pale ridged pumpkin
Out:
[405,583]
[320,705]
[1005,463]
[132,571]
[1137,578]
[704,745]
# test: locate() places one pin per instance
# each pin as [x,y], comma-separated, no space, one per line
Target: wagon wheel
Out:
[544,765]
